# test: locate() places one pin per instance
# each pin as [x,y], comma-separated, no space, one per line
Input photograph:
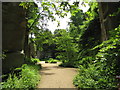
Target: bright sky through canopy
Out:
[52,25]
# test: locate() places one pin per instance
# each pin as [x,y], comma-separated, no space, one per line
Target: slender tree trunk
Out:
[26,45]
[104,36]
[67,52]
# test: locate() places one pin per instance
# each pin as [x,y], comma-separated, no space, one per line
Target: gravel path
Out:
[53,76]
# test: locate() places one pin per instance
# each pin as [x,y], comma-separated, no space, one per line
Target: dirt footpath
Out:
[53,76]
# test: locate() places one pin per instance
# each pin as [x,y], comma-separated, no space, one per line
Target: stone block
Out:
[13,27]
[12,60]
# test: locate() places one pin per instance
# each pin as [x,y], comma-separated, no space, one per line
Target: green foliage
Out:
[27,78]
[43,38]
[100,72]
[92,12]
[98,63]
[36,26]
[94,77]
[80,44]
[35,60]
[2,55]
[51,60]
[115,13]
[32,15]
[91,36]
[90,29]
[66,48]
[32,60]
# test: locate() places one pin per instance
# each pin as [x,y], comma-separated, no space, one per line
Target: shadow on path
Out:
[53,76]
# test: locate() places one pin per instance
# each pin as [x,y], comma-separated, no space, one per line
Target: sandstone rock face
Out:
[13,34]
[13,31]
[12,60]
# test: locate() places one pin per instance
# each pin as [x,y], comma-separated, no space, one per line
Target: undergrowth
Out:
[99,70]
[51,60]
[27,78]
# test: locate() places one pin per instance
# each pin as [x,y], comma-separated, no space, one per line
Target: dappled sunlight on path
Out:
[53,76]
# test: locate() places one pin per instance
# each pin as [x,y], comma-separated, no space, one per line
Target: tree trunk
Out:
[102,18]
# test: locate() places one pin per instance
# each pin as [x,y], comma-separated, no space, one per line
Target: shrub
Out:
[69,64]
[27,78]
[94,76]
[32,60]
[51,60]
[99,71]
[35,60]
